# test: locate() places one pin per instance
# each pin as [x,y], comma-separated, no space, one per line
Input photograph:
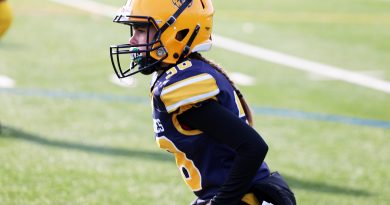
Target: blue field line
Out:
[320,117]
[278,112]
[73,95]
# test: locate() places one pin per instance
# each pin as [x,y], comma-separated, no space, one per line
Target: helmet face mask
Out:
[129,59]
[181,27]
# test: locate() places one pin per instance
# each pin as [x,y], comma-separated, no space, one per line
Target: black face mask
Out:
[140,59]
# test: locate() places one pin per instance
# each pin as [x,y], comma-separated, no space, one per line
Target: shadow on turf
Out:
[10,132]
[325,188]
[7,131]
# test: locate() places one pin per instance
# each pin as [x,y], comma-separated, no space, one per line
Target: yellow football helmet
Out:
[183,26]
[5,16]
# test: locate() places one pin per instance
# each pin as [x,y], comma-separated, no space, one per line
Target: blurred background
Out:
[316,74]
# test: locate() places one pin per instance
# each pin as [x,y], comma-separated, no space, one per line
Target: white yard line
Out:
[301,64]
[91,6]
[242,79]
[257,52]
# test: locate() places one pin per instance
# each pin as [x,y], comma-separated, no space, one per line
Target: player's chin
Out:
[147,71]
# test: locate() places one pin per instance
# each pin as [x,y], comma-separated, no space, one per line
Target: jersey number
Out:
[189,172]
[172,71]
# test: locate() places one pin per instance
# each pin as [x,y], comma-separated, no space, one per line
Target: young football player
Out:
[199,115]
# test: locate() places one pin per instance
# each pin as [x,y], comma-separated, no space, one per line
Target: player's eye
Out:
[139,29]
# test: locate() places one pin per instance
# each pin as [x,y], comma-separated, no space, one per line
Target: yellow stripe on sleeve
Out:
[250,199]
[189,91]
[241,112]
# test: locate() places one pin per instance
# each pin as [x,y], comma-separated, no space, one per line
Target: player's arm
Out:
[221,124]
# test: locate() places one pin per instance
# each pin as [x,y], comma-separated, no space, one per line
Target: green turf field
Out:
[70,136]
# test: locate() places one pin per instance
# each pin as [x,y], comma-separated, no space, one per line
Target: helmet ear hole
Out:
[182,34]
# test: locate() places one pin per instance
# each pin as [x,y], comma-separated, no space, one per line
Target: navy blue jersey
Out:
[203,162]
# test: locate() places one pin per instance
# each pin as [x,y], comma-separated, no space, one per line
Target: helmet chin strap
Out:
[187,48]
[153,65]
[158,65]
[147,70]
[147,65]
[173,18]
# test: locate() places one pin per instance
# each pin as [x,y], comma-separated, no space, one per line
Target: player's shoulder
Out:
[188,82]
[187,72]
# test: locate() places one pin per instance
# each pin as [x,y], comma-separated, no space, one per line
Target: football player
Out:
[5,16]
[199,115]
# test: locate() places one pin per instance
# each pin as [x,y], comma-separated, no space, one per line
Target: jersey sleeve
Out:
[189,90]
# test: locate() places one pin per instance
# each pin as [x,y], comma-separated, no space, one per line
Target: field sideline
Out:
[70,136]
